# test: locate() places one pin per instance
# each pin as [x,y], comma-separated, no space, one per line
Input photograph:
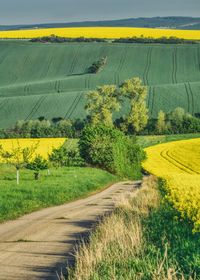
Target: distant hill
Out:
[155,22]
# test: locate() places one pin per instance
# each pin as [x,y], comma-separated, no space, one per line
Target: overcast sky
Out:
[44,11]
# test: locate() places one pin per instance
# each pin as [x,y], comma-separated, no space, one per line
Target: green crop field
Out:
[51,80]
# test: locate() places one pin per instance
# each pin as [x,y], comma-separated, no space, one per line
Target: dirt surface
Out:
[39,245]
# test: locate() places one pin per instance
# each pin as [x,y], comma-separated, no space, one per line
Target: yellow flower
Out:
[102,32]
[179,164]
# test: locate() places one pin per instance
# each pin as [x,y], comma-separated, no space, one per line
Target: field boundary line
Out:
[39,105]
[78,100]
[35,108]
[71,107]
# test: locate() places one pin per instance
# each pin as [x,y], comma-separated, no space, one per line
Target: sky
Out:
[45,11]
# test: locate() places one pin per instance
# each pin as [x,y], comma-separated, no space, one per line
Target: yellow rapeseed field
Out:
[45,145]
[101,32]
[179,164]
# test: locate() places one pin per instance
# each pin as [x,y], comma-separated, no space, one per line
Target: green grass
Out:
[51,79]
[144,239]
[62,185]
[150,140]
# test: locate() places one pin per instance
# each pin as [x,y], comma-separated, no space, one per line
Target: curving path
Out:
[39,245]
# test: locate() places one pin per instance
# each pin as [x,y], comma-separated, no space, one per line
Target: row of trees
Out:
[144,40]
[41,128]
[58,39]
[151,40]
[176,121]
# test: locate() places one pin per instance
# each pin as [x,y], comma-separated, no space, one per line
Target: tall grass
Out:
[130,245]
[60,186]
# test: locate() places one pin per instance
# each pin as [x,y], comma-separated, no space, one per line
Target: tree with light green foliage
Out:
[37,165]
[102,103]
[177,115]
[136,92]
[161,123]
[18,156]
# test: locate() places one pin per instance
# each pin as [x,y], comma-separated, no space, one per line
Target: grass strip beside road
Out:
[145,238]
[61,186]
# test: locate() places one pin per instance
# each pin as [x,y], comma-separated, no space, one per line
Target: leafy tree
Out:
[37,165]
[134,90]
[161,124]
[58,157]
[18,157]
[102,103]
[177,118]
[177,115]
[65,127]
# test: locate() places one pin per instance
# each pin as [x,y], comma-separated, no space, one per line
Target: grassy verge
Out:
[150,140]
[62,185]
[143,239]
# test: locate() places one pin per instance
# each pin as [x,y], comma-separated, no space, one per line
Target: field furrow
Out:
[35,108]
[71,108]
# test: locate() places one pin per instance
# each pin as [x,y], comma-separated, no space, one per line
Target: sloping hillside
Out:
[51,79]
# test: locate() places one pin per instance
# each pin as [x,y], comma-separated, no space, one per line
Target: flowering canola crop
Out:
[44,145]
[101,32]
[179,164]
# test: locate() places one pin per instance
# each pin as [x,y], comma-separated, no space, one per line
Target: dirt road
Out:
[38,245]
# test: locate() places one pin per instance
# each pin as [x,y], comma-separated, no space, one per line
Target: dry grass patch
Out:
[123,245]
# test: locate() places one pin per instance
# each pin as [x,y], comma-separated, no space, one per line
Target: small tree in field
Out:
[37,165]
[18,157]
[98,66]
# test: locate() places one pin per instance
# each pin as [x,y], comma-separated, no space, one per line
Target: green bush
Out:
[67,155]
[37,165]
[110,149]
[128,157]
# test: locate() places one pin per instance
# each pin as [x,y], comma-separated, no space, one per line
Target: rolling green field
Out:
[51,80]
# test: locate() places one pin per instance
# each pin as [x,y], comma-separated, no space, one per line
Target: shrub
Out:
[37,165]
[128,157]
[66,156]
[110,149]
[97,66]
